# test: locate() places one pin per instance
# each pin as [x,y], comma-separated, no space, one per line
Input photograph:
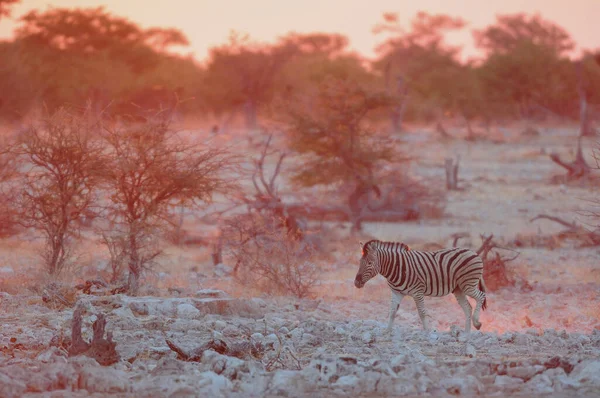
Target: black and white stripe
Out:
[419,274]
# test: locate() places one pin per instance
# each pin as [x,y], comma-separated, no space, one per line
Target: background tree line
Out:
[69,56]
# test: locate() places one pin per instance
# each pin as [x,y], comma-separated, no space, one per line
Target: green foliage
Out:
[332,131]
[428,66]
[511,31]
[70,55]
[525,71]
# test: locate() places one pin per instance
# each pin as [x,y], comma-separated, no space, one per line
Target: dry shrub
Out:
[59,166]
[496,274]
[268,258]
[404,198]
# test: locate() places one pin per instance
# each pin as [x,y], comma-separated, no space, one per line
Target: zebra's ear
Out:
[362,250]
[361,244]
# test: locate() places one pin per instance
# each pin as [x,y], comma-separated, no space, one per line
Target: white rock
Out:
[339,330]
[217,385]
[540,384]
[187,311]
[219,325]
[348,382]
[285,383]
[587,373]
[470,351]
[103,379]
[257,337]
[525,372]
[367,338]
[284,330]
[508,383]
[11,388]
[468,385]
[52,354]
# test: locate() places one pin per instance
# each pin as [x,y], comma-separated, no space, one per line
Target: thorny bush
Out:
[268,258]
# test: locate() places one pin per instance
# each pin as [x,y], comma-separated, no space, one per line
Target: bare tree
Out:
[267,242]
[267,198]
[8,172]
[59,164]
[151,171]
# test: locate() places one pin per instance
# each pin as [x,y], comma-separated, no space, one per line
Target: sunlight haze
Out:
[209,23]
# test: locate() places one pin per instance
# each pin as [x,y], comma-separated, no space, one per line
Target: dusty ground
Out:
[544,341]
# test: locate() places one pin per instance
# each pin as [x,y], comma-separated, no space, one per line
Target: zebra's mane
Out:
[380,243]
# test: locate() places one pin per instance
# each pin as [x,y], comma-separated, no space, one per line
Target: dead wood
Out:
[494,268]
[555,219]
[576,169]
[242,350]
[579,167]
[452,173]
[86,287]
[58,295]
[100,348]
[585,237]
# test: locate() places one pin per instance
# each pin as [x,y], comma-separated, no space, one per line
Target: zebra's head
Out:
[369,266]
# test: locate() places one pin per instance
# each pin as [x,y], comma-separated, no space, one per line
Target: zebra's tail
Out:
[483,289]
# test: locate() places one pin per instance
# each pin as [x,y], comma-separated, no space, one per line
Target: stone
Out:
[467,385]
[525,372]
[187,311]
[368,338]
[52,354]
[103,379]
[470,351]
[283,330]
[587,372]
[219,325]
[10,387]
[540,384]
[286,383]
[508,383]
[347,383]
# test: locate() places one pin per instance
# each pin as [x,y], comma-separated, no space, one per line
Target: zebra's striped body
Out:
[419,274]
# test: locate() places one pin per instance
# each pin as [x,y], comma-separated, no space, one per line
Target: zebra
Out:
[421,273]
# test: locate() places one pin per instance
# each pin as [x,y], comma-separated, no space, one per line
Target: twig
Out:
[268,368]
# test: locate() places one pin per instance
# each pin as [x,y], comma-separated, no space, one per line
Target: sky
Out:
[208,23]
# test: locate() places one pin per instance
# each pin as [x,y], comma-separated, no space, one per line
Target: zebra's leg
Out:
[420,302]
[394,305]
[479,297]
[465,305]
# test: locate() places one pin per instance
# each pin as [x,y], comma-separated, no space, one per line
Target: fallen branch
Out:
[586,237]
[555,219]
[242,350]
[576,169]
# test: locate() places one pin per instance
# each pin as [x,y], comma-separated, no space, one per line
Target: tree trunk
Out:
[451,174]
[401,94]
[57,250]
[133,282]
[584,124]
[250,112]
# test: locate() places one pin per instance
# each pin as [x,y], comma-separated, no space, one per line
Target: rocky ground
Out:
[295,348]
[539,338]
